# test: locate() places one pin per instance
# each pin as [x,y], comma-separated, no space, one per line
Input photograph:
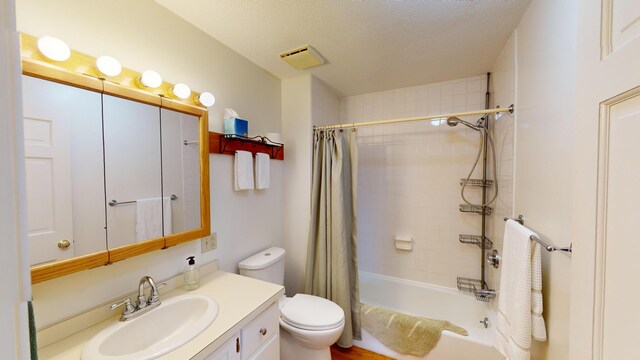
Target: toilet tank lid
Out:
[262,259]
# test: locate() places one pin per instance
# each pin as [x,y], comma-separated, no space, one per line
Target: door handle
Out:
[63,244]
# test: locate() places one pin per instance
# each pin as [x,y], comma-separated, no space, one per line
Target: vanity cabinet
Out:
[258,340]
[228,351]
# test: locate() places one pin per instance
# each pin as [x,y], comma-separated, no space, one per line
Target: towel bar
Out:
[551,248]
[519,219]
[116,202]
[548,247]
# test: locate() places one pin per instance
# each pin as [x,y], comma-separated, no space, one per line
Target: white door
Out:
[48,172]
[605,317]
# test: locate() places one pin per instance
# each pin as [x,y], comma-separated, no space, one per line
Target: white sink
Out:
[172,324]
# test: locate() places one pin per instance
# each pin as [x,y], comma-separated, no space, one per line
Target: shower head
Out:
[453,121]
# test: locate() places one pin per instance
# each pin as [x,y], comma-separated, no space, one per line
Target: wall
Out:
[142,35]
[306,101]
[14,336]
[545,60]
[409,176]
[296,125]
[325,104]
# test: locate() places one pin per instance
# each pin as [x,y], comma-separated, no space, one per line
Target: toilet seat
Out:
[310,312]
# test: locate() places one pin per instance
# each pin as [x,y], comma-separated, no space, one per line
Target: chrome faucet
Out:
[144,304]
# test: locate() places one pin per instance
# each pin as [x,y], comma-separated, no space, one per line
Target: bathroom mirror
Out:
[133,175]
[113,171]
[64,171]
[181,169]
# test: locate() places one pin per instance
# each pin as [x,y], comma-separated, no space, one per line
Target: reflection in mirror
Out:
[133,175]
[181,168]
[79,160]
[64,171]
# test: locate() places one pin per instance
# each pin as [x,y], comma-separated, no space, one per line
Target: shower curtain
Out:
[332,259]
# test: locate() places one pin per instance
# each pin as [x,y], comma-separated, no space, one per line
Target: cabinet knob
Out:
[63,244]
[263,331]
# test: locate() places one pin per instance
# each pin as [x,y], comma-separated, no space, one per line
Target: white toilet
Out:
[309,324]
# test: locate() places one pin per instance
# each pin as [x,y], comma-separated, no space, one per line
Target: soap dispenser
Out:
[191,275]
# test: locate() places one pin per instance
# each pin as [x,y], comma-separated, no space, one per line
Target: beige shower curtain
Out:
[332,258]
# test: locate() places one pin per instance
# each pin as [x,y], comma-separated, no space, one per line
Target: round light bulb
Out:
[151,79]
[207,99]
[181,90]
[53,48]
[108,65]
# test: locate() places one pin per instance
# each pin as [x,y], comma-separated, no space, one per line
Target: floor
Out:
[354,353]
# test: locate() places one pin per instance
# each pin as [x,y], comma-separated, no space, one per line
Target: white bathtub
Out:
[435,302]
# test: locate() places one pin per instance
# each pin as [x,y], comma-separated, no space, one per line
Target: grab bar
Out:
[116,202]
[548,247]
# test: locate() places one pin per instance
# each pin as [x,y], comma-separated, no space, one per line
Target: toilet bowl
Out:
[309,324]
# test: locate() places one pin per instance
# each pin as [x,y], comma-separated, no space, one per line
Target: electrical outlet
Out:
[209,243]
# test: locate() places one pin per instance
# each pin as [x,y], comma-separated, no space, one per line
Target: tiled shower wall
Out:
[409,181]
[503,136]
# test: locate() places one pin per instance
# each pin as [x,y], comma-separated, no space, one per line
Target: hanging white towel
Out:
[262,170]
[520,297]
[243,171]
[149,218]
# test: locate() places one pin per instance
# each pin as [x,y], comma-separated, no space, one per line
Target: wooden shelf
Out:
[219,144]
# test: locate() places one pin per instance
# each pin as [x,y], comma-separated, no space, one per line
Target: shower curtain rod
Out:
[419,118]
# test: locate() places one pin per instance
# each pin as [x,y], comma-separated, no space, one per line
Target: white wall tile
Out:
[409,177]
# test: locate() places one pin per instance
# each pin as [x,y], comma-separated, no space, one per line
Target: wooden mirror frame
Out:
[80,71]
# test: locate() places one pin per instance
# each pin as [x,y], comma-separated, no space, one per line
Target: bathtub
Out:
[435,302]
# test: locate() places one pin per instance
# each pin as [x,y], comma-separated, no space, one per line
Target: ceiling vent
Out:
[303,58]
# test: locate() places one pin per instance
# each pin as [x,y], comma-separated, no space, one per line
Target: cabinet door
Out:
[228,351]
[260,331]
[268,351]
[181,170]
[133,171]
[64,170]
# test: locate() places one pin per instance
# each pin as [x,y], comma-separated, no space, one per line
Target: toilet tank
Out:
[267,265]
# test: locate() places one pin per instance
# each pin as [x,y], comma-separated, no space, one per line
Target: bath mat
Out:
[404,333]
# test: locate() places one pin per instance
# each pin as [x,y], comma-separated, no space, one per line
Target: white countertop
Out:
[239,299]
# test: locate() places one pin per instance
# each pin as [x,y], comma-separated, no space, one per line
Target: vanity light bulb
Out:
[151,79]
[207,99]
[53,48]
[181,90]
[108,65]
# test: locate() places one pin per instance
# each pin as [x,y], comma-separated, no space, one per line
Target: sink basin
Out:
[172,324]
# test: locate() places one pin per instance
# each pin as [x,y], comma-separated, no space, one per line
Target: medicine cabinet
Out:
[111,171]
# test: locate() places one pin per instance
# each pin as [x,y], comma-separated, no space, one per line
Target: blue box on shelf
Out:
[236,126]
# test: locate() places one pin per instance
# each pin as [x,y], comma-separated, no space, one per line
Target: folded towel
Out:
[33,341]
[520,296]
[404,333]
[262,171]
[149,218]
[243,171]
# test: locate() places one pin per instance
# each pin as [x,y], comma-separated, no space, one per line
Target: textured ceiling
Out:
[369,45]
